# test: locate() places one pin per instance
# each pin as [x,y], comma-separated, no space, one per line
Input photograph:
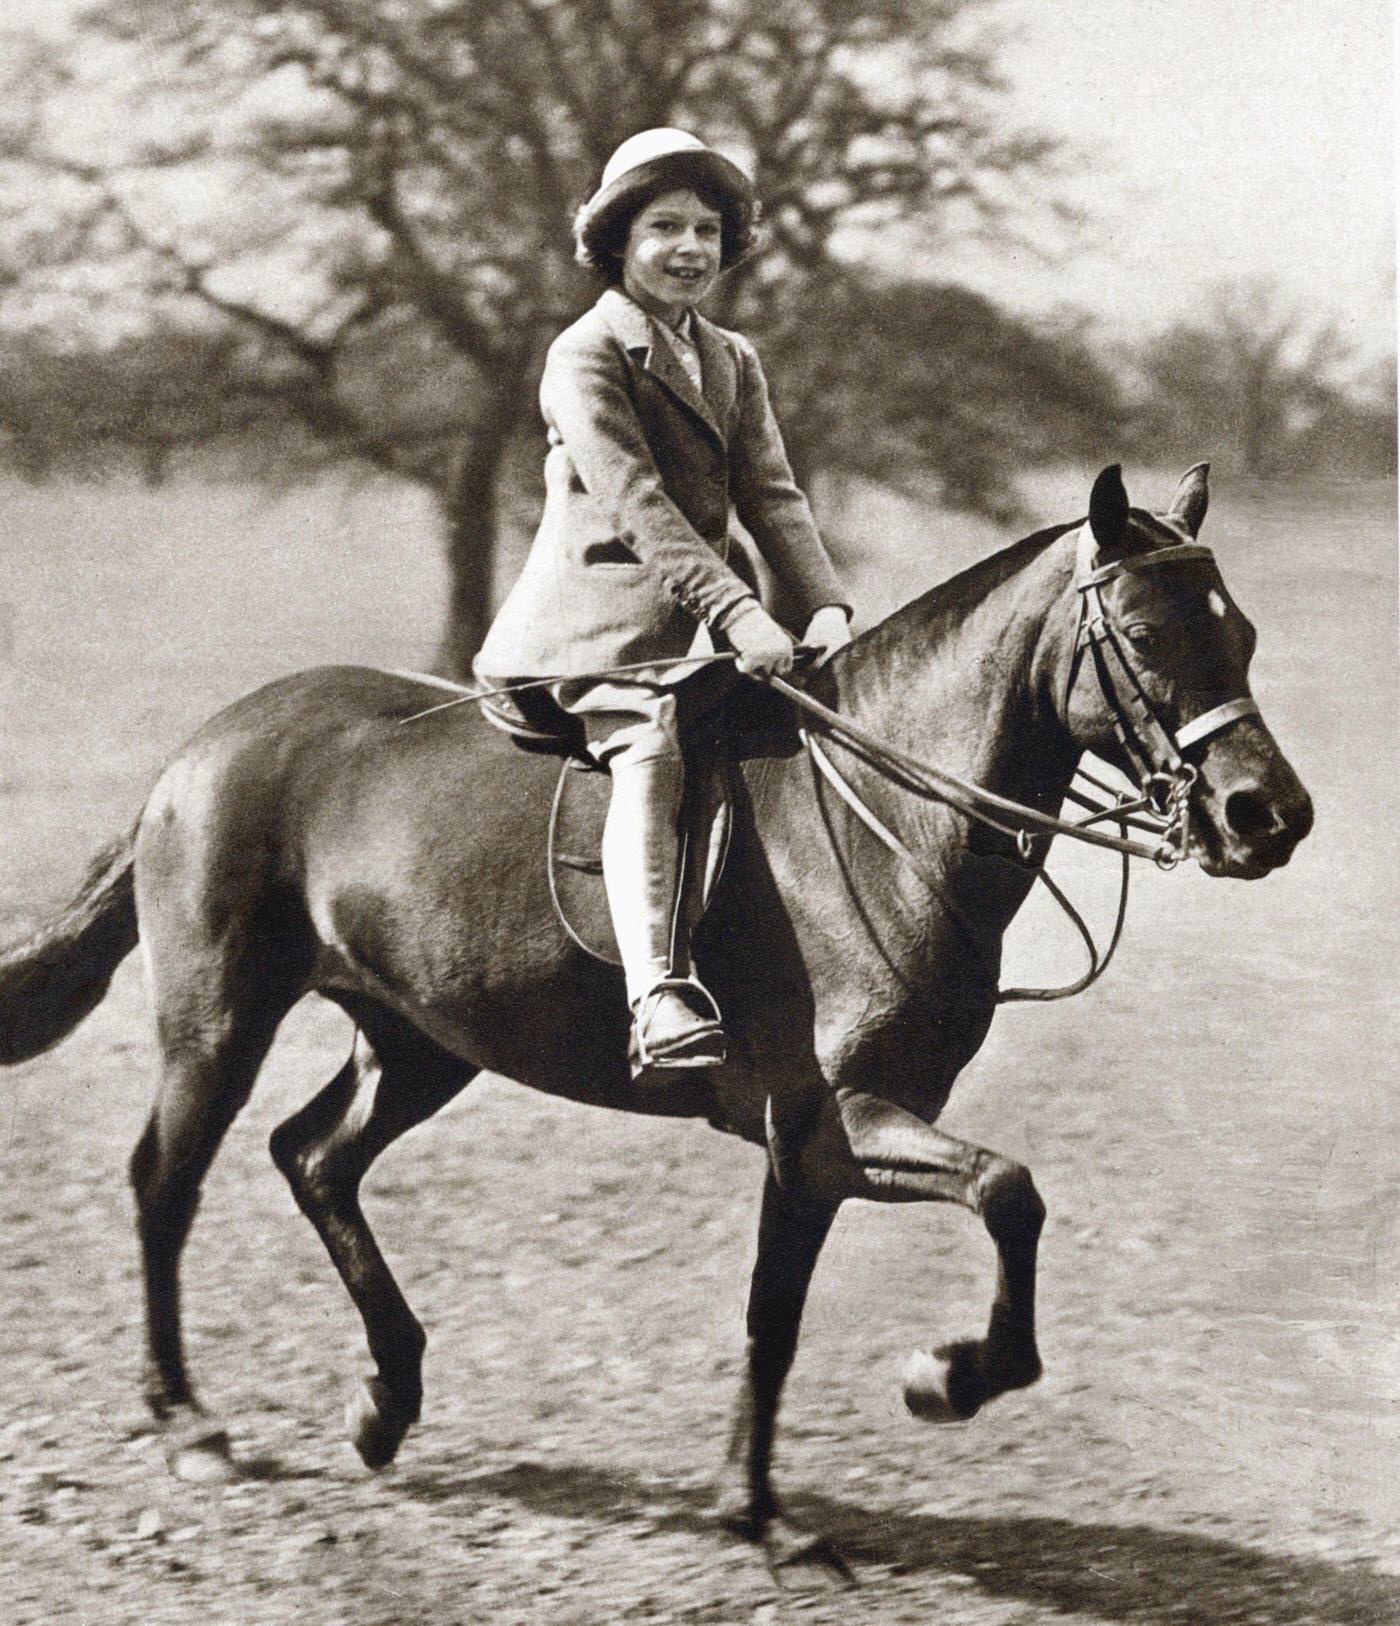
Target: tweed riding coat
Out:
[641,477]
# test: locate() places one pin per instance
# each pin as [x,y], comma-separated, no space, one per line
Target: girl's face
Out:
[672,254]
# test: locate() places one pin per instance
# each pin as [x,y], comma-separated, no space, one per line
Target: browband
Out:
[1184,553]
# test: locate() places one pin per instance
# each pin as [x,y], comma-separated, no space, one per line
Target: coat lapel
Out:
[718,369]
[635,330]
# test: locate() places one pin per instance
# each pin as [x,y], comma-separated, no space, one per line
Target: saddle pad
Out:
[575,839]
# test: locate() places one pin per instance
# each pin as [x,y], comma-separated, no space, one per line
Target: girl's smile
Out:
[673,254]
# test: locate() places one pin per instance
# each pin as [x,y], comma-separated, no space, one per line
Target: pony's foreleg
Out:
[902,1159]
[790,1237]
[324,1150]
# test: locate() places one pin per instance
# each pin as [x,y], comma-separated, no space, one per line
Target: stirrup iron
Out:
[701,1046]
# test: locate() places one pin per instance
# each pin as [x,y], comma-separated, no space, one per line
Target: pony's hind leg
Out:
[395,1078]
[209,1063]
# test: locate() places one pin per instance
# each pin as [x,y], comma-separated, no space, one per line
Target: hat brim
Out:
[703,169]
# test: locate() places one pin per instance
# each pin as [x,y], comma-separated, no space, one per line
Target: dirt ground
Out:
[1213,1129]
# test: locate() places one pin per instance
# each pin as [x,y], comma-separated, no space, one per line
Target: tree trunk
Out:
[155,463]
[469,514]
[1255,434]
[471,510]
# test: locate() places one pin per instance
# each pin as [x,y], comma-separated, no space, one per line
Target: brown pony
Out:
[304,841]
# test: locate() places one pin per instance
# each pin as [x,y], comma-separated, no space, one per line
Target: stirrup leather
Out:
[701,1046]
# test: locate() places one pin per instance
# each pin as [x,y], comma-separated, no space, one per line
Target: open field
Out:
[1214,1129]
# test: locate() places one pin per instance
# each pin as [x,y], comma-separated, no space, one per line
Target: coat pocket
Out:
[610,553]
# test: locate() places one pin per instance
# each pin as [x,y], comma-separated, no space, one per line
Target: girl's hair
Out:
[600,233]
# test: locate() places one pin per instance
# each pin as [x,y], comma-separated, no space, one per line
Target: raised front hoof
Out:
[952,1383]
[376,1424]
[204,1458]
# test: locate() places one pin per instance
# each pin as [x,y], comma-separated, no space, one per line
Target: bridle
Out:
[1164,779]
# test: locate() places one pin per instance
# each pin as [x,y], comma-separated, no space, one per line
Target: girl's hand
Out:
[827,631]
[762,646]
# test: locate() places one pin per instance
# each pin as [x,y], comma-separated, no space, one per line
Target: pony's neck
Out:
[970,674]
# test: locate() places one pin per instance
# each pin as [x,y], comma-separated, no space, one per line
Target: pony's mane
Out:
[940,608]
[944,605]
[980,578]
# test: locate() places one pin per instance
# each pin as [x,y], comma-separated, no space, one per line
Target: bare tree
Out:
[1248,377]
[372,197]
[940,394]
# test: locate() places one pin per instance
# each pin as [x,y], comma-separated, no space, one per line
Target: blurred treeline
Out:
[282,235]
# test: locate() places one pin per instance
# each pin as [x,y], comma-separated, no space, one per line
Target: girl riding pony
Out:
[659,428]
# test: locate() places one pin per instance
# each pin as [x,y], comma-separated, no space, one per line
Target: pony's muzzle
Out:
[1255,823]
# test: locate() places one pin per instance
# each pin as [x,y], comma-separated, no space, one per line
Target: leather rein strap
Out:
[1159,753]
[872,821]
[1011,818]
[1165,780]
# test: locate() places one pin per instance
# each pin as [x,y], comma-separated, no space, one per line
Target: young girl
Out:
[659,426]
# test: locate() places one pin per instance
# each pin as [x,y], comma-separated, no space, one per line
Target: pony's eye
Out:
[1140,635]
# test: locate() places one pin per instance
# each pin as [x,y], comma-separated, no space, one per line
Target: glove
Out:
[762,646]
[827,631]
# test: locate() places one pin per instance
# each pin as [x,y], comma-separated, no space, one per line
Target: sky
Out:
[1222,139]
[1211,140]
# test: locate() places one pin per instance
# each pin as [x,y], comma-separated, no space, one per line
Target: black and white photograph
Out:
[698,753]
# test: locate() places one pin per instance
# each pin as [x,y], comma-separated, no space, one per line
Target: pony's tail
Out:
[58,975]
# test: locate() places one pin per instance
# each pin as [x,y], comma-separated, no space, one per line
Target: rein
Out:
[1001,813]
[1165,780]
[1006,996]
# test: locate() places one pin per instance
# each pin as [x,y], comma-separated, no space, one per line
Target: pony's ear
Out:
[1192,499]
[1108,510]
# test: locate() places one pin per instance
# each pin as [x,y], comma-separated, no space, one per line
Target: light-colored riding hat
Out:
[662,154]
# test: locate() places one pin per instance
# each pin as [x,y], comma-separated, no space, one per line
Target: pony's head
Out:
[1159,680]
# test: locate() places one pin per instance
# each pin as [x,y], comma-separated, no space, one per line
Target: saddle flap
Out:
[575,838]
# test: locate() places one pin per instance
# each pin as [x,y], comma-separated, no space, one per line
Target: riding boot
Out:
[675,1021]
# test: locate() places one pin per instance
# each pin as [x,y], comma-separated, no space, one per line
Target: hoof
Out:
[803,1558]
[206,1459]
[791,1552]
[945,1386]
[739,1518]
[955,1381]
[375,1424]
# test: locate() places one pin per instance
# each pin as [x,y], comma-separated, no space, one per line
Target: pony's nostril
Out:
[1301,822]
[1249,814]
